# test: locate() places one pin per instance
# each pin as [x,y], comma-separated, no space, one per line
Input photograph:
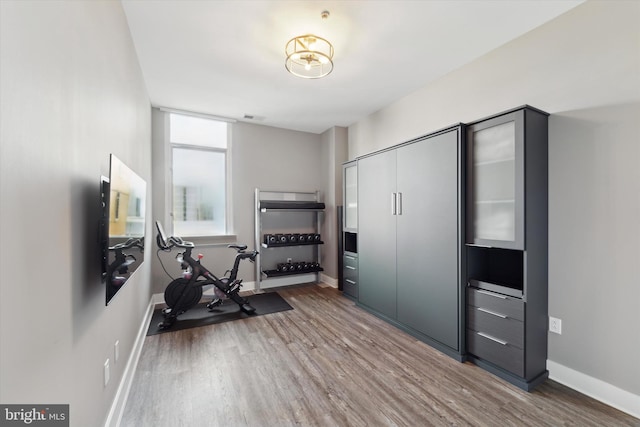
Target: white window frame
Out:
[219,239]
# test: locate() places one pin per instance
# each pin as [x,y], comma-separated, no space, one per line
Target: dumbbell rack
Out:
[287,213]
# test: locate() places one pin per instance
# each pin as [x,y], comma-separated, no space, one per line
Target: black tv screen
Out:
[123,225]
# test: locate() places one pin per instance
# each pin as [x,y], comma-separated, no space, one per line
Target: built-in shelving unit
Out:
[287,227]
[349,257]
[506,248]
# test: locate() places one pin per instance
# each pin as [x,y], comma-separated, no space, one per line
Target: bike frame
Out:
[198,270]
[201,276]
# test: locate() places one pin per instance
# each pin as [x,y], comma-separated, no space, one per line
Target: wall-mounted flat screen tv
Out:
[123,225]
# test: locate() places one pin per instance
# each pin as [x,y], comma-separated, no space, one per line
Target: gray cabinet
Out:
[377,232]
[410,239]
[495,208]
[507,245]
[350,265]
[428,239]
[496,329]
[349,256]
[350,197]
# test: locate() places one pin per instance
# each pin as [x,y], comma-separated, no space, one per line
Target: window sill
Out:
[212,240]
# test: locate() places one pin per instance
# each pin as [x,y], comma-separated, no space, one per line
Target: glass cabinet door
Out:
[351,197]
[496,180]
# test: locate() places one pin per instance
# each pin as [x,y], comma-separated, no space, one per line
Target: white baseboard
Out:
[593,387]
[120,400]
[329,280]
[157,299]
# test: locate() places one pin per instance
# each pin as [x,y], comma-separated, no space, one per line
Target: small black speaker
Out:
[281,238]
[310,237]
[316,237]
[269,239]
[293,238]
[302,237]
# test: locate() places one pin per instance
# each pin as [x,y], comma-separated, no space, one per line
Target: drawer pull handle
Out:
[489,337]
[491,294]
[351,282]
[349,257]
[493,313]
[350,267]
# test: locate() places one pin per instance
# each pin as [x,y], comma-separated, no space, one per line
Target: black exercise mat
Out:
[270,302]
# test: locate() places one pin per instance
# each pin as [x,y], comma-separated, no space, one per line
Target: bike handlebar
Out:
[177,241]
[168,243]
[130,243]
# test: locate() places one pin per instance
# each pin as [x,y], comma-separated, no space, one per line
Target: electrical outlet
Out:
[106,372]
[555,325]
[116,351]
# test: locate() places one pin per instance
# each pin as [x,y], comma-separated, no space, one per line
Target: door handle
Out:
[393,203]
[399,203]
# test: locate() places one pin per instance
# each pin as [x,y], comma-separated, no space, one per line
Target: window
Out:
[199,175]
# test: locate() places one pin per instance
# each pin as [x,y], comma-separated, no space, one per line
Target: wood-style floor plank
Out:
[329,363]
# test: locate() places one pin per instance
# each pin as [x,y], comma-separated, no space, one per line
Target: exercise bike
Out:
[185,292]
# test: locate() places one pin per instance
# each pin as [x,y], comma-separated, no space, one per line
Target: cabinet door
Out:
[496,182]
[350,178]
[428,238]
[377,233]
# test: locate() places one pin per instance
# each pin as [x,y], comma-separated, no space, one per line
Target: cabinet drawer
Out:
[497,303]
[496,351]
[350,261]
[350,274]
[350,269]
[497,325]
[350,287]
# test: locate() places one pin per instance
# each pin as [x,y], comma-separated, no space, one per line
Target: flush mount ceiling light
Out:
[309,56]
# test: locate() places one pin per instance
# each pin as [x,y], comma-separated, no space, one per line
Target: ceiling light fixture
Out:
[309,56]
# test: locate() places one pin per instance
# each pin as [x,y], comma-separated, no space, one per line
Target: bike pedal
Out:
[215,303]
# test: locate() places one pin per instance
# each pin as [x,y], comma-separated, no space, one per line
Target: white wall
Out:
[72,92]
[584,69]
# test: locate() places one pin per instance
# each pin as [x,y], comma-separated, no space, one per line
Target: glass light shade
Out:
[309,56]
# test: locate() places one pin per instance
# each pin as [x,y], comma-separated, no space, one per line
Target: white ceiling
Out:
[226,57]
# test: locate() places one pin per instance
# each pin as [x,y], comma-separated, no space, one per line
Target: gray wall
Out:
[584,69]
[262,157]
[72,92]
[334,153]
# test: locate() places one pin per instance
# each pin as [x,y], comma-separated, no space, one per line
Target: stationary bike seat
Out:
[238,247]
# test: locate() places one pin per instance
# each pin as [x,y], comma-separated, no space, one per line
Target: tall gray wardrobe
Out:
[452,241]
[410,208]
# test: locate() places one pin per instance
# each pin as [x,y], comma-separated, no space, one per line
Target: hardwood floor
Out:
[329,363]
